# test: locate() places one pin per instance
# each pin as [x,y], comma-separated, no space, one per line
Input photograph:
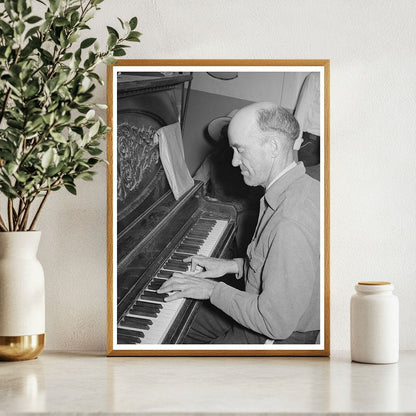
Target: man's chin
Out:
[249,181]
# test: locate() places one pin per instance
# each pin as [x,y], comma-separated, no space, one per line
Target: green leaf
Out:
[87,42]
[133,38]
[9,6]
[7,29]
[8,191]
[32,31]
[46,56]
[86,176]
[73,38]
[110,60]
[94,129]
[112,40]
[58,137]
[47,158]
[112,31]
[21,177]
[52,171]
[70,188]
[11,168]
[94,151]
[119,52]
[90,114]
[135,34]
[21,5]
[61,21]
[74,18]
[34,126]
[48,118]
[20,28]
[133,23]
[54,4]
[33,19]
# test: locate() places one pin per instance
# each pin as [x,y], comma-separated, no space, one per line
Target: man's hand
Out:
[212,267]
[187,286]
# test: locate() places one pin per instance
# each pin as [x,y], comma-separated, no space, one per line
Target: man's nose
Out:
[236,160]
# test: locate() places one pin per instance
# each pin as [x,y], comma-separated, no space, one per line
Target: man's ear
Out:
[275,147]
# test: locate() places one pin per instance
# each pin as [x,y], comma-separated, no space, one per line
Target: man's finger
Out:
[188,259]
[175,296]
[203,274]
[174,283]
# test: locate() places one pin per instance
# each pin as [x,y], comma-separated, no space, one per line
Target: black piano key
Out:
[178,256]
[207,220]
[203,225]
[202,229]
[164,277]
[155,284]
[158,280]
[149,305]
[192,244]
[187,245]
[142,312]
[172,262]
[198,234]
[187,250]
[176,267]
[158,297]
[130,333]
[192,240]
[164,273]
[121,339]
[139,323]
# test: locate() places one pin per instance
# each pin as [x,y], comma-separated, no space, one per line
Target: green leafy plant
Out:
[50,133]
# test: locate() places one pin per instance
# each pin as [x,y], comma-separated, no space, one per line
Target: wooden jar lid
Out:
[374,283]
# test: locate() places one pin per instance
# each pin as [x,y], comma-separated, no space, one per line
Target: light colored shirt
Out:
[307,111]
[282,267]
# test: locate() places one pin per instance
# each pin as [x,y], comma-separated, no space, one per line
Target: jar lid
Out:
[374,287]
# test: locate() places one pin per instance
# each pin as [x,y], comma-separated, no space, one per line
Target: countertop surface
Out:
[85,382]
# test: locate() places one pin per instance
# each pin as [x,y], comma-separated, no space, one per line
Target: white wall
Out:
[279,87]
[373,146]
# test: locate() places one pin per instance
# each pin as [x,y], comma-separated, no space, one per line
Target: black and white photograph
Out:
[218,208]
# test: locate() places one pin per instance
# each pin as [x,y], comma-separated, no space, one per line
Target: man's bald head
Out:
[262,137]
[267,118]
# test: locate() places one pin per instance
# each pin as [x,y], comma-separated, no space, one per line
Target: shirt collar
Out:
[286,169]
[274,191]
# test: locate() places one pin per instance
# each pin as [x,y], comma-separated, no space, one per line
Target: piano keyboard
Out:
[150,318]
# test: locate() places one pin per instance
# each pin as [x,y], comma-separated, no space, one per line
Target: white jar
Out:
[374,323]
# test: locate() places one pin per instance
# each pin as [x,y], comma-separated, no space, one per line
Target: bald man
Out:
[280,302]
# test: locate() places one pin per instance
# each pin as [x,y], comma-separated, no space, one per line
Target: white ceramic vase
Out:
[22,296]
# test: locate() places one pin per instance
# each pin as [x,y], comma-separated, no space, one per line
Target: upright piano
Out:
[155,232]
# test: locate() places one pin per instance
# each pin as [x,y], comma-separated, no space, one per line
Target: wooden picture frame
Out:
[218,86]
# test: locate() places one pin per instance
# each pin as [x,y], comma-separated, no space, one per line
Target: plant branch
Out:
[2,224]
[21,212]
[26,216]
[10,214]
[32,149]
[39,210]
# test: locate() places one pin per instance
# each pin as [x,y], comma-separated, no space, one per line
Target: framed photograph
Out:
[218,208]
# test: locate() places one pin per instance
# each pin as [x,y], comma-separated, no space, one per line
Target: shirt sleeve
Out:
[288,273]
